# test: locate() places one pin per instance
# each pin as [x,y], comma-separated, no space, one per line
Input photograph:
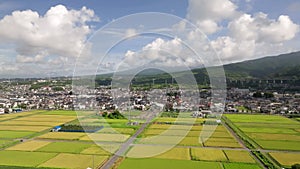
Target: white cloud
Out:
[207,14]
[39,58]
[245,36]
[255,36]
[213,9]
[230,49]
[164,53]
[208,26]
[130,32]
[60,32]
[262,29]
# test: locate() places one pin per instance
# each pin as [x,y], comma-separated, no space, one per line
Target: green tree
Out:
[268,95]
[296,166]
[257,94]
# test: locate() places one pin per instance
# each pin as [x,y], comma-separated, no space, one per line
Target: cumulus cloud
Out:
[207,14]
[60,32]
[229,49]
[246,35]
[262,29]
[162,52]
[253,36]
[152,51]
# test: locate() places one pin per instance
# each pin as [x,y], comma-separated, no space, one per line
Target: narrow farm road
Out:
[243,144]
[124,147]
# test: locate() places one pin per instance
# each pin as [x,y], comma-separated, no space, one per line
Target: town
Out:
[56,94]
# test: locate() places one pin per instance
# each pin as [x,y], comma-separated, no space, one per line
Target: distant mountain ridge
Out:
[281,67]
[285,66]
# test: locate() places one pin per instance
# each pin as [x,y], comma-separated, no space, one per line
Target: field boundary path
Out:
[124,147]
[242,143]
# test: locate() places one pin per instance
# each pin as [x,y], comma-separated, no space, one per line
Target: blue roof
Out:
[57,127]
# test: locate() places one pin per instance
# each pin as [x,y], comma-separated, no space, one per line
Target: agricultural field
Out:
[151,163]
[105,137]
[201,154]
[176,154]
[286,159]
[239,156]
[41,148]
[240,166]
[272,133]
[219,136]
[14,134]
[245,118]
[62,135]
[44,148]
[24,128]
[74,161]
[64,147]
[22,158]
[29,146]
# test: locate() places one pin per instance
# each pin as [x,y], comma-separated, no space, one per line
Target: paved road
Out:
[124,147]
[242,143]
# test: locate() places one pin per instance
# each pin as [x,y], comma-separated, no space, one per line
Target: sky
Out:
[57,38]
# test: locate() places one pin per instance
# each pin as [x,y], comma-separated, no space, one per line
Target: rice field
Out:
[268,130]
[22,158]
[245,118]
[176,154]
[47,118]
[240,166]
[15,134]
[164,140]
[190,141]
[222,144]
[61,112]
[286,159]
[30,123]
[74,161]
[279,145]
[105,137]
[158,151]
[268,125]
[62,135]
[268,136]
[64,147]
[129,131]
[186,121]
[150,163]
[207,154]
[239,156]
[76,150]
[4,143]
[29,146]
[271,132]
[94,150]
[24,128]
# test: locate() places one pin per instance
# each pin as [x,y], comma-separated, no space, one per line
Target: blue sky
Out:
[108,10]
[242,30]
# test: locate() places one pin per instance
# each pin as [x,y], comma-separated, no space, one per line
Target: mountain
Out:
[285,66]
[281,67]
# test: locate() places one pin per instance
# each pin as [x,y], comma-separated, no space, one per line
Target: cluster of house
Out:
[22,96]
[245,101]
[16,97]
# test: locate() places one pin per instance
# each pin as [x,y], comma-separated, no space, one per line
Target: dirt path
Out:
[243,144]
